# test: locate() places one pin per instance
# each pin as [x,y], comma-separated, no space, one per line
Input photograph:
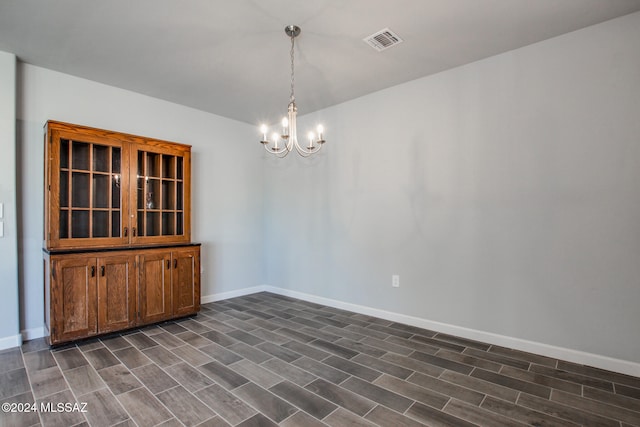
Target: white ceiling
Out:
[231,58]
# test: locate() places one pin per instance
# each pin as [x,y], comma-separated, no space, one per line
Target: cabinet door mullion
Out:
[91,198]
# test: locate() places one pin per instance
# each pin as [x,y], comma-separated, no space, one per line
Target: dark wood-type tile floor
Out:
[266,360]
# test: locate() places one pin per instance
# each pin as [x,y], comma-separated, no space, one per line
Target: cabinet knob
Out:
[93,271]
[102,271]
[134,231]
[168,264]
[175,263]
[126,231]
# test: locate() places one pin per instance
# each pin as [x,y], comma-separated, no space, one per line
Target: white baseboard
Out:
[32,334]
[10,341]
[231,294]
[567,354]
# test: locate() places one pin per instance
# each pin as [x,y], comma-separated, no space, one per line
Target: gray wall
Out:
[226,182]
[505,194]
[9,330]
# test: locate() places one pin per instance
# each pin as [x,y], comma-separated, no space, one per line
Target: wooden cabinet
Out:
[106,189]
[169,284]
[93,293]
[155,286]
[185,280]
[74,305]
[161,198]
[116,292]
[117,232]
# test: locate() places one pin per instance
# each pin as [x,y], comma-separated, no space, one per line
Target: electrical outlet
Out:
[395,281]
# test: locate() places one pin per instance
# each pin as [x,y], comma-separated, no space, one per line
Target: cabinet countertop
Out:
[117,248]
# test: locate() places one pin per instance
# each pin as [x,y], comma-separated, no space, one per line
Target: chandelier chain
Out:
[292,97]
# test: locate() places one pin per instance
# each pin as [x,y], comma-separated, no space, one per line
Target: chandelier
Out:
[283,144]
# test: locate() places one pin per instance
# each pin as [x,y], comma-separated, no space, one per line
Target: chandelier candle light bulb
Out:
[289,132]
[264,129]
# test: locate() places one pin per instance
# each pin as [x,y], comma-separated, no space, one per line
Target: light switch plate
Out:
[1,229]
[1,209]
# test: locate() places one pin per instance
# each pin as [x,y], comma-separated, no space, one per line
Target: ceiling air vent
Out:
[382,39]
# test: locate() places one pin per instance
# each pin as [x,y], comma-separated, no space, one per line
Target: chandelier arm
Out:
[305,152]
[282,154]
[302,153]
[277,152]
[270,150]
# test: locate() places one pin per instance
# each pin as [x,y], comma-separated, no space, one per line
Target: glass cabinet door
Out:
[160,196]
[91,209]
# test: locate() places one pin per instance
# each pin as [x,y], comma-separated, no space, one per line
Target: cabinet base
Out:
[108,335]
[91,294]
